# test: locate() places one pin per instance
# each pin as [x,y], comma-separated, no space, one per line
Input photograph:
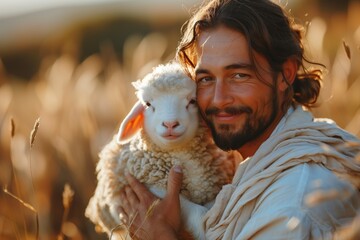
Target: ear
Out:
[131,124]
[289,70]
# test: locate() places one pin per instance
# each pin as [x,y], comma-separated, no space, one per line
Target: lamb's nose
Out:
[171,125]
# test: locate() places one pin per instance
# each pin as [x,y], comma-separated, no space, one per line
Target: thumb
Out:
[174,182]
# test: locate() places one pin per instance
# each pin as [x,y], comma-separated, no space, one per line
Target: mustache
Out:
[229,110]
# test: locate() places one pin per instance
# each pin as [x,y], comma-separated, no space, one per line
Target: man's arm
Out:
[284,211]
[280,224]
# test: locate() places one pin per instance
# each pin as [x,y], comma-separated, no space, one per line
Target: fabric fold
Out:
[298,138]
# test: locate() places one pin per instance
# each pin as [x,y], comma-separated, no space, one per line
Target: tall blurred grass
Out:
[80,105]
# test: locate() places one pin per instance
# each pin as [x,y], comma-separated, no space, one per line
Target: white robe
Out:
[270,195]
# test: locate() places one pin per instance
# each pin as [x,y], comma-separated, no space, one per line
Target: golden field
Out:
[79,101]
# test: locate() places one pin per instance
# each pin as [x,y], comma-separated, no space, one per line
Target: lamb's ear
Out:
[131,124]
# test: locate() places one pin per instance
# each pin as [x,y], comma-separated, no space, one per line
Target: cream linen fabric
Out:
[266,199]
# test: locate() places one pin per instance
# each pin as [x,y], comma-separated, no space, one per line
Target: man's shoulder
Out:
[310,190]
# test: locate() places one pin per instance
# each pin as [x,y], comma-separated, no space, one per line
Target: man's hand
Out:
[148,216]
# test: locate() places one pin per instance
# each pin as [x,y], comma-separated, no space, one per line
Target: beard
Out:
[255,124]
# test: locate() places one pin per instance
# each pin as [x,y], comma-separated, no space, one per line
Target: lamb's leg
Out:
[192,214]
[114,210]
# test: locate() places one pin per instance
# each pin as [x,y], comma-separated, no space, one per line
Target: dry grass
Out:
[81,104]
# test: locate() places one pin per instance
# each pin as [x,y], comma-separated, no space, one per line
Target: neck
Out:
[249,149]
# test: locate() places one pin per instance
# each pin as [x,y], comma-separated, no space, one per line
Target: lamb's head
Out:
[166,108]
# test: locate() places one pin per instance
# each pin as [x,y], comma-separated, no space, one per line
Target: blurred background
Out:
[71,64]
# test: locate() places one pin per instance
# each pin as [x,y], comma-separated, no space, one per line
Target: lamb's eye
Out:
[192,101]
[148,105]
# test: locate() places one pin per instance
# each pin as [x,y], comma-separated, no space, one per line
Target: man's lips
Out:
[225,117]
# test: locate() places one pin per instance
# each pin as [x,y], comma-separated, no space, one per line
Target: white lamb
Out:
[170,133]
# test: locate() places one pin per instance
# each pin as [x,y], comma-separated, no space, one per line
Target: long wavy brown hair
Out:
[269,31]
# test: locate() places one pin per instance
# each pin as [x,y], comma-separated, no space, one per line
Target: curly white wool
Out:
[206,168]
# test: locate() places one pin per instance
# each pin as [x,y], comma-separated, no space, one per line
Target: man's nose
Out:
[221,94]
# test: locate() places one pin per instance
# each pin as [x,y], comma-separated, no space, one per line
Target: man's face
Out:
[236,104]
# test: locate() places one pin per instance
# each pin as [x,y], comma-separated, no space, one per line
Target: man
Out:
[252,88]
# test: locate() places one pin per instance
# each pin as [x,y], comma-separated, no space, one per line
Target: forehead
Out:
[221,42]
[223,46]
[220,35]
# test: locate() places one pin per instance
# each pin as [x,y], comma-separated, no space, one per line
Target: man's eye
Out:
[240,76]
[206,79]
[202,80]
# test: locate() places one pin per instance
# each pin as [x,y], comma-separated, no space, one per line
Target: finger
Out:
[131,197]
[126,206]
[125,200]
[133,202]
[174,182]
[139,189]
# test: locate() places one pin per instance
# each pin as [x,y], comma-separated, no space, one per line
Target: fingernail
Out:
[177,169]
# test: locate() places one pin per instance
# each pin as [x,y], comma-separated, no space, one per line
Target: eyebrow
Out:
[239,65]
[228,67]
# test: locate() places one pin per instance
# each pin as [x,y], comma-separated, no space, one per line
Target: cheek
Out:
[202,98]
[264,103]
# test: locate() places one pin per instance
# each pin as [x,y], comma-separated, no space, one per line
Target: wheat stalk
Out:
[12,127]
[68,195]
[22,202]
[34,131]
[32,140]
[13,177]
